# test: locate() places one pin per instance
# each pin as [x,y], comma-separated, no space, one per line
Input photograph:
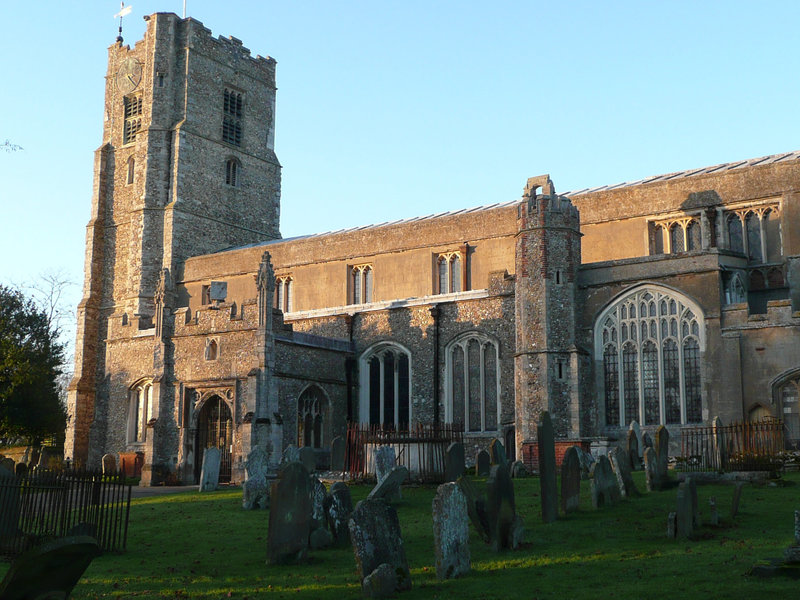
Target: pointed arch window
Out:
[312,409]
[385,377]
[140,411]
[232,172]
[284,292]
[361,284]
[449,270]
[661,335]
[131,167]
[472,368]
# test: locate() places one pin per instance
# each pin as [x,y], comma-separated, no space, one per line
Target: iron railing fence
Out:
[744,446]
[43,505]
[421,448]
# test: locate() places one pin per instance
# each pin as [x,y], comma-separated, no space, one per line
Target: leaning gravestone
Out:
[209,473]
[384,461]
[290,454]
[476,508]
[376,537]
[450,531]
[684,518]
[570,480]
[454,461]
[605,489]
[109,464]
[547,468]
[289,516]
[662,456]
[389,487]
[309,458]
[632,448]
[338,508]
[255,493]
[482,464]
[497,452]
[50,571]
[501,509]
[337,454]
[621,465]
[651,469]
[9,504]
[637,430]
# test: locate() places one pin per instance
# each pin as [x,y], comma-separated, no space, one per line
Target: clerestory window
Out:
[284,293]
[232,117]
[361,284]
[133,118]
[755,232]
[449,273]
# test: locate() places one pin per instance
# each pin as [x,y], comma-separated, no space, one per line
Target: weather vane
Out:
[123,10]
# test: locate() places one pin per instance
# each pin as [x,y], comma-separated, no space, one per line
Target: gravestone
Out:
[713,513]
[8,464]
[672,525]
[308,457]
[338,508]
[337,454]
[518,470]
[684,518]
[637,430]
[109,464]
[44,458]
[482,463]
[501,508]
[571,480]
[289,516]
[320,538]
[647,442]
[381,583]
[651,469]
[389,487]
[662,456]
[209,473]
[384,461]
[691,487]
[21,469]
[632,448]
[450,531]
[255,492]
[497,452]
[621,465]
[605,489]
[587,463]
[318,496]
[476,508]
[737,495]
[290,454]
[547,467]
[792,554]
[9,504]
[454,461]
[49,571]
[377,539]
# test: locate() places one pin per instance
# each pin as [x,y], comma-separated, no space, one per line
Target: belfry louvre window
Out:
[232,118]
[449,273]
[472,367]
[649,344]
[361,278]
[133,118]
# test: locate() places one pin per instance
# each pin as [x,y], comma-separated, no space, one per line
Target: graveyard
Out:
[204,545]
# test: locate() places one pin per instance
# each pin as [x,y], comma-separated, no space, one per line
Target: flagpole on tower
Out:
[123,10]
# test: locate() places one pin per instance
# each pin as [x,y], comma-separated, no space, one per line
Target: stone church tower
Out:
[186,167]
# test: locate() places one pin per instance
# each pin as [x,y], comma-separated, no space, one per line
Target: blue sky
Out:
[389,110]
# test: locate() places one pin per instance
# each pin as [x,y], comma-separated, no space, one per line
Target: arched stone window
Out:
[361,276]
[212,349]
[130,170]
[472,376]
[140,410]
[449,273]
[284,292]
[232,172]
[385,378]
[755,232]
[648,343]
[312,413]
[735,292]
[786,398]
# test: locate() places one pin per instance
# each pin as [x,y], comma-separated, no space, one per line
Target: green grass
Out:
[192,545]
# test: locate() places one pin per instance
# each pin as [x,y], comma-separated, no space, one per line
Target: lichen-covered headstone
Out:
[662,456]
[337,454]
[637,430]
[605,489]
[290,454]
[476,508]
[377,539]
[381,583]
[109,464]
[318,496]
[501,508]
[482,463]
[255,492]
[518,469]
[547,468]
[309,458]
[737,496]
[684,517]
[571,480]
[338,508]
[621,465]
[289,516]
[454,461]
[209,473]
[450,531]
[651,470]
[389,487]
[384,458]
[632,448]
[497,452]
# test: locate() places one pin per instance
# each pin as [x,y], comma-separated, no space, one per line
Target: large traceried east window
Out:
[649,344]
[385,379]
[472,367]
[140,411]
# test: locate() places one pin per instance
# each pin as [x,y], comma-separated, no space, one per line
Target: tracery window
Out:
[361,281]
[133,118]
[311,413]
[755,232]
[449,273]
[677,235]
[472,367]
[232,117]
[386,386]
[656,336]
[284,292]
[140,411]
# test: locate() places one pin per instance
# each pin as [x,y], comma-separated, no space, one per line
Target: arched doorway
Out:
[215,430]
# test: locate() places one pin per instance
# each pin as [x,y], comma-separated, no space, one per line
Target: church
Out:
[667,301]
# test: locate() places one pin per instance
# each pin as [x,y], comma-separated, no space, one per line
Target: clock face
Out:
[129,75]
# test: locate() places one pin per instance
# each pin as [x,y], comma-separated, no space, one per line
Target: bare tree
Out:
[9,147]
